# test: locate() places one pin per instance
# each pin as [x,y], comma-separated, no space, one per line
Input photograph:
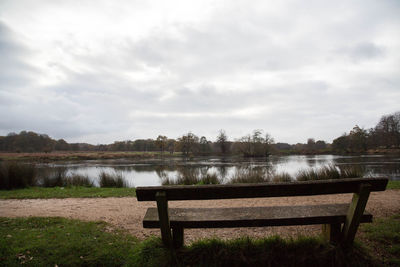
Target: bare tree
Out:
[223,143]
[187,143]
[161,143]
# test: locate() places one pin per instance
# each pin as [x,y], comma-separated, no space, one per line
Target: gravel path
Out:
[127,213]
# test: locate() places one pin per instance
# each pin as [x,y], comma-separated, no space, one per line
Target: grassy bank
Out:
[65,192]
[88,192]
[383,239]
[63,242]
[393,185]
[82,155]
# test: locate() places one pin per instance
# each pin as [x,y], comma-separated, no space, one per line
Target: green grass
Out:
[393,185]
[384,237]
[62,242]
[272,251]
[65,192]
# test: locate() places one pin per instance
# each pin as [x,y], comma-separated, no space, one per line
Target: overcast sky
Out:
[100,71]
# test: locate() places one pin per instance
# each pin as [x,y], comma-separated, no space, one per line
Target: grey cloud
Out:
[210,75]
[14,70]
[362,51]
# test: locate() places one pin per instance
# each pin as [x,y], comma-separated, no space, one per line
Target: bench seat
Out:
[252,216]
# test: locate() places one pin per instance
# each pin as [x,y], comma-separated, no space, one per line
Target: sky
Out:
[100,71]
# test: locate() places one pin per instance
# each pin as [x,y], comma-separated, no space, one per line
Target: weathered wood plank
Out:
[177,236]
[252,216]
[162,213]
[332,232]
[354,213]
[320,187]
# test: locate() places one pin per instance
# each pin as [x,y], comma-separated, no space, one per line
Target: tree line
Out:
[252,145]
[385,135]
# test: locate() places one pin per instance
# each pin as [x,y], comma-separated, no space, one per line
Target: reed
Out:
[54,177]
[15,175]
[282,177]
[79,180]
[249,176]
[112,180]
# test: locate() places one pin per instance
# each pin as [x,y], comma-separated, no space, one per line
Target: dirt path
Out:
[127,213]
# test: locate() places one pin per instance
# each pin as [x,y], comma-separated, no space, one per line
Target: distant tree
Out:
[61,145]
[171,145]
[161,143]
[204,146]
[310,144]
[341,144]
[320,145]
[223,143]
[187,143]
[388,130]
[255,145]
[357,139]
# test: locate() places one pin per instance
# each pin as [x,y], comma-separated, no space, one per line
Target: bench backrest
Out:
[319,187]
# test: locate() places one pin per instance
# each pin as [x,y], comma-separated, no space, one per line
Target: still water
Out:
[155,171]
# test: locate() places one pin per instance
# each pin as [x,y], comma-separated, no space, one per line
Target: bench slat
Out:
[252,216]
[320,187]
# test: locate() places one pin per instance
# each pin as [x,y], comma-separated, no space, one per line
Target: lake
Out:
[155,171]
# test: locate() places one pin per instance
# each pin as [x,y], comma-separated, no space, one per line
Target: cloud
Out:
[135,70]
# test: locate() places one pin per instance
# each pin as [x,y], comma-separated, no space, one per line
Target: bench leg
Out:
[354,214]
[162,207]
[177,235]
[332,232]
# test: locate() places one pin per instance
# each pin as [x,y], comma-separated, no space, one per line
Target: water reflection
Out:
[225,170]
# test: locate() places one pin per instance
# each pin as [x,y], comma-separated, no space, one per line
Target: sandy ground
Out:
[127,213]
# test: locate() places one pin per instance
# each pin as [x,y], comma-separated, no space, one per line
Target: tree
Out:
[204,145]
[161,143]
[223,143]
[310,144]
[358,139]
[171,145]
[255,145]
[187,143]
[388,130]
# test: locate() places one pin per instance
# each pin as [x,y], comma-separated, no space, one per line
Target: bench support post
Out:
[356,210]
[177,235]
[332,232]
[162,207]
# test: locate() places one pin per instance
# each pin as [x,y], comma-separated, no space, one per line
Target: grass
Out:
[66,192]
[393,185]
[384,238]
[62,242]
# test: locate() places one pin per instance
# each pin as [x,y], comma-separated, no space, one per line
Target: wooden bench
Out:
[340,221]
